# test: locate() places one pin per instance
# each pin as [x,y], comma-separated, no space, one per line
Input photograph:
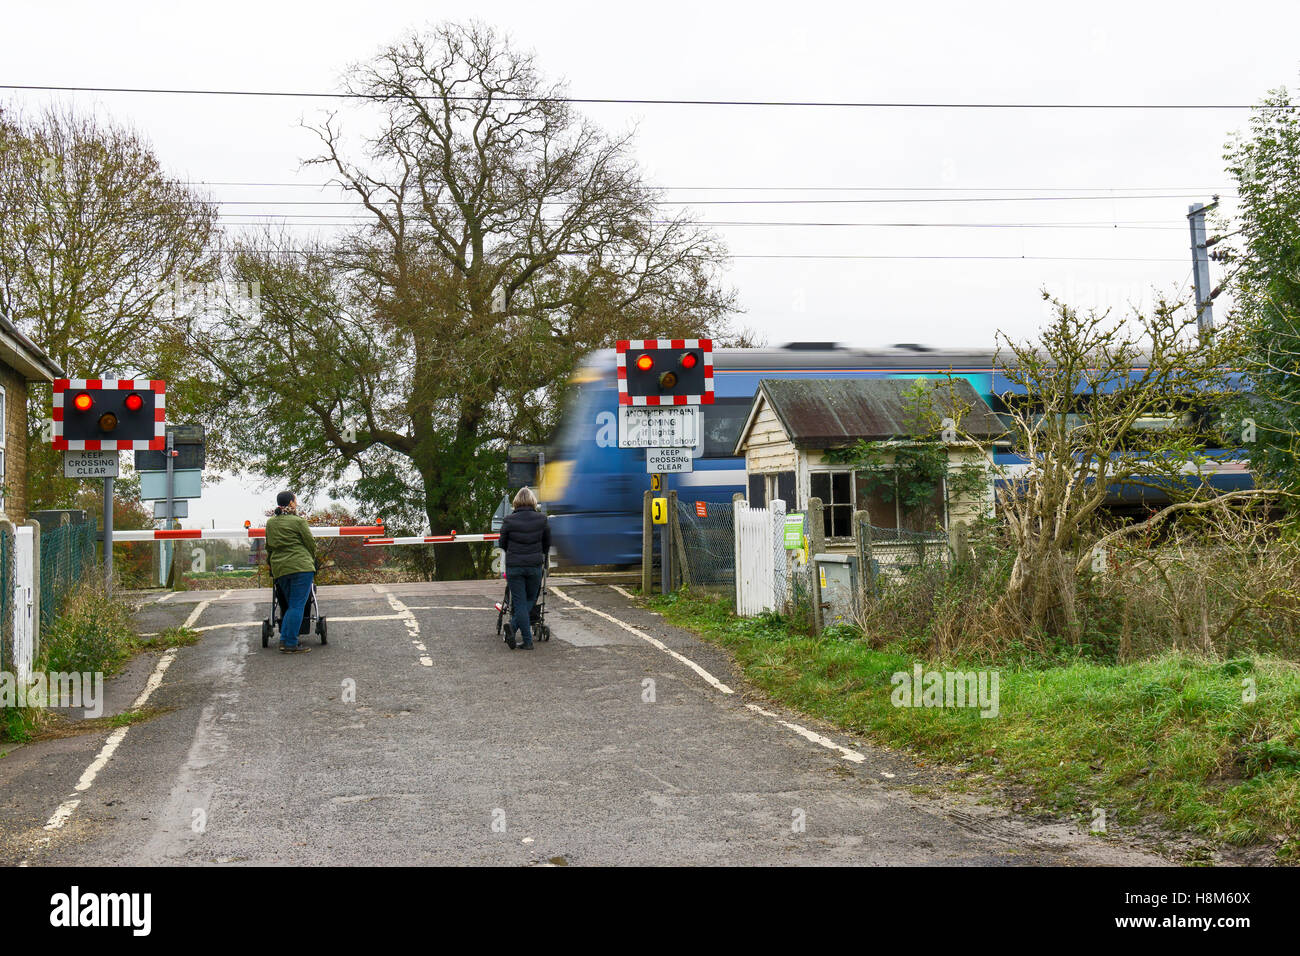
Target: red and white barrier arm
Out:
[181,534]
[433,539]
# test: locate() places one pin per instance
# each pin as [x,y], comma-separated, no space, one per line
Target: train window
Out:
[835,489]
[723,421]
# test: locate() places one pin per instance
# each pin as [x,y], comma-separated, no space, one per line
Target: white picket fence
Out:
[762,570]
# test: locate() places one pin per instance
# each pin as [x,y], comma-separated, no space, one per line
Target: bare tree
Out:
[505,236]
[96,240]
[1106,407]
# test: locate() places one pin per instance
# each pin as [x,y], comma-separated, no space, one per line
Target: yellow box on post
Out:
[659,510]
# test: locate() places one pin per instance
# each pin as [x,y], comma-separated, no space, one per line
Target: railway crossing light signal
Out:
[665,372]
[109,414]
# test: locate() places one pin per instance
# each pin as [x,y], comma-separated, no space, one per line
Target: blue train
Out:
[593,489]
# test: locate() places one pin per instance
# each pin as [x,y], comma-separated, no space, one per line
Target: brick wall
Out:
[15,425]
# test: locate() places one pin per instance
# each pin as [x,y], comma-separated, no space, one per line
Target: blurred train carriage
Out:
[593,489]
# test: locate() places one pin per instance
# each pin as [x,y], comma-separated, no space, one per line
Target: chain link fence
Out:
[67,556]
[896,552]
[708,530]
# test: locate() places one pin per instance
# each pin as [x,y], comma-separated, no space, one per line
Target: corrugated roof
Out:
[828,412]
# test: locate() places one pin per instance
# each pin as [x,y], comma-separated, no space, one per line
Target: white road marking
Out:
[64,811]
[412,625]
[851,755]
[217,627]
[194,615]
[448,607]
[225,594]
[166,597]
[364,617]
[713,681]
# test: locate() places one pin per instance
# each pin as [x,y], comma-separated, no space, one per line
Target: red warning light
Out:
[644,362]
[134,402]
[689,360]
[83,402]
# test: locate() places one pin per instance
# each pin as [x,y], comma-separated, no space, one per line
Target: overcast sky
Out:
[1116,251]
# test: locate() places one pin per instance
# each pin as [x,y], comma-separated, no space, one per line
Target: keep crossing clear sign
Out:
[669,460]
[89,464]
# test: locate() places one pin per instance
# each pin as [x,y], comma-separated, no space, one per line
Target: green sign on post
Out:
[794,531]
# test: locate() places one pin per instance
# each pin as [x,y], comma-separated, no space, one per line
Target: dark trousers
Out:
[295,589]
[525,583]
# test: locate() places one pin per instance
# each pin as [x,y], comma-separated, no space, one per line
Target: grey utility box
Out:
[838,576]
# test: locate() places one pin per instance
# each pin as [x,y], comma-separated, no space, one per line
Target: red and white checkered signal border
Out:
[156,385]
[636,345]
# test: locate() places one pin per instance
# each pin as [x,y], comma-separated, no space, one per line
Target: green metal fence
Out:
[67,556]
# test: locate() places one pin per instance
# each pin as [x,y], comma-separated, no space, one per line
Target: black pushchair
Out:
[536,617]
[311,616]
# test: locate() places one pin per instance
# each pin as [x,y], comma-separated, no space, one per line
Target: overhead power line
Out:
[250,219]
[648,101]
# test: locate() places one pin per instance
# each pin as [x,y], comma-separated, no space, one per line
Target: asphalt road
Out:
[622,741]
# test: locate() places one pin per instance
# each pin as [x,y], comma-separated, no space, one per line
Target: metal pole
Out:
[171,507]
[1201,270]
[171,479]
[108,535]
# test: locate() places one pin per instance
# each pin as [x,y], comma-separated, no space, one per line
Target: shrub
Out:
[94,632]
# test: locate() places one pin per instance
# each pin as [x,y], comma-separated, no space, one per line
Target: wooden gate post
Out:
[681,570]
[816,545]
[866,573]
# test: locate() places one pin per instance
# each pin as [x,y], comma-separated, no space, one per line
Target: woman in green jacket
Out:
[291,553]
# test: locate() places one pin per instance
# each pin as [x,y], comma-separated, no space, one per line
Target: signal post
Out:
[96,419]
[662,384]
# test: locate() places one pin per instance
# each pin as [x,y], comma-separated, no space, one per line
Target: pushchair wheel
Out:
[266,633]
[322,630]
[544,632]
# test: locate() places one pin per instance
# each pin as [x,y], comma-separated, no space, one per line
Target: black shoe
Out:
[510,638]
[295,649]
[526,646]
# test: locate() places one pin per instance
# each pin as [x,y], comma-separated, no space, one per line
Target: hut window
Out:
[835,489]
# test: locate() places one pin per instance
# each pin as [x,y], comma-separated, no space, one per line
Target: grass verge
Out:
[94,633]
[1174,738]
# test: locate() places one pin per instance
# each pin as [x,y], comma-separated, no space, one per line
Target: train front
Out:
[591,488]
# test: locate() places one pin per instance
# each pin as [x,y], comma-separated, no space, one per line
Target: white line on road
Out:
[713,681]
[64,811]
[447,607]
[852,756]
[194,615]
[166,597]
[225,594]
[408,618]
